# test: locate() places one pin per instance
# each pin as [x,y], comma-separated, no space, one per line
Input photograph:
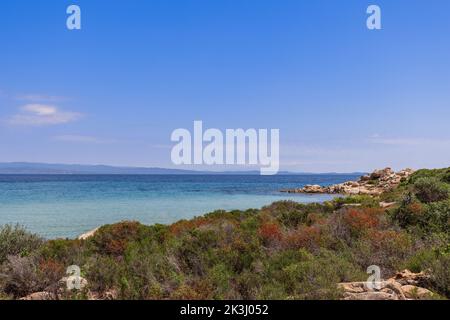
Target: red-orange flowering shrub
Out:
[360,221]
[304,237]
[187,225]
[113,239]
[269,231]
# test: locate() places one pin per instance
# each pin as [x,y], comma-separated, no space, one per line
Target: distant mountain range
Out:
[47,168]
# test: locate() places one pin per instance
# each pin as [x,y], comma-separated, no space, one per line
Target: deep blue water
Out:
[68,205]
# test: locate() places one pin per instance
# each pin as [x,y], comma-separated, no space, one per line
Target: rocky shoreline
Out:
[373,184]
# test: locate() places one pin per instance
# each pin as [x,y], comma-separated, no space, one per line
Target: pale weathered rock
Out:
[387,204]
[107,295]
[39,296]
[313,189]
[88,234]
[395,287]
[111,295]
[406,277]
[353,287]
[377,174]
[370,296]
[398,287]
[416,293]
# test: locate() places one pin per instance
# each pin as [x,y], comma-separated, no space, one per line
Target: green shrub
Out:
[67,252]
[195,251]
[220,277]
[436,218]
[148,272]
[113,239]
[15,240]
[446,177]
[302,275]
[440,274]
[420,260]
[103,273]
[423,218]
[26,275]
[430,190]
[409,213]
[438,174]
[291,214]
[363,200]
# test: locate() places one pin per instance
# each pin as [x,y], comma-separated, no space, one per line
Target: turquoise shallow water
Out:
[69,205]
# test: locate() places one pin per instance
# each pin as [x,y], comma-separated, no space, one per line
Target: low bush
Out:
[113,239]
[15,240]
[103,272]
[446,177]
[436,218]
[270,232]
[424,219]
[440,274]
[408,213]
[67,252]
[302,275]
[359,221]
[26,275]
[430,190]
[307,237]
[363,200]
[291,214]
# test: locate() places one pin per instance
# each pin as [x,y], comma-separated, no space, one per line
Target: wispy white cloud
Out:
[83,139]
[42,115]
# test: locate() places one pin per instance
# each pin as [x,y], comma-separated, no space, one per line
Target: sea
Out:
[65,206]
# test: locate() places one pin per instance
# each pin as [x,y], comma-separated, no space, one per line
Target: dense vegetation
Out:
[284,251]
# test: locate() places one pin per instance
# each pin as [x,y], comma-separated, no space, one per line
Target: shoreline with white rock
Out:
[373,184]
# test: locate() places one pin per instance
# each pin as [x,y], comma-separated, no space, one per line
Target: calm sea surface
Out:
[69,205]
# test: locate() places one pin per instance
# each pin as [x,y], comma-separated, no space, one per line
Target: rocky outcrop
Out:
[376,183]
[62,291]
[404,285]
[40,296]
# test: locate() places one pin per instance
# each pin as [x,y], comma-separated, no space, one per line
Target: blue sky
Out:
[344,98]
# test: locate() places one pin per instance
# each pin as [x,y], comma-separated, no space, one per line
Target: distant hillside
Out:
[46,168]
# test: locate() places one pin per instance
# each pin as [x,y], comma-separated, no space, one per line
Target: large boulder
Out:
[378,174]
[313,189]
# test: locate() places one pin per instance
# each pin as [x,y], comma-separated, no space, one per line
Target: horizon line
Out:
[180,170]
